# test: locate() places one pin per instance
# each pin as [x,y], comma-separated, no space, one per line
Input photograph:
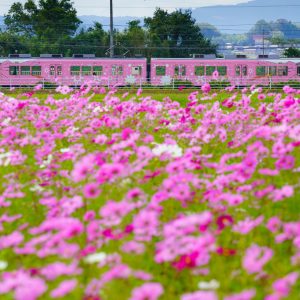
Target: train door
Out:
[117,74]
[298,69]
[55,71]
[241,74]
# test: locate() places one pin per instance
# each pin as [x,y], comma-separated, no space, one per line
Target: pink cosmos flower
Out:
[261,97]
[91,190]
[285,163]
[148,291]
[205,295]
[206,88]
[274,224]
[64,288]
[245,295]
[215,75]
[224,221]
[256,257]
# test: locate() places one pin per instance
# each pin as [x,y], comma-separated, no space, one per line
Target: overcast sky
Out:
[128,7]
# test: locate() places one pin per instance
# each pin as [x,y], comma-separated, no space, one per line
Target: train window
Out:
[237,70]
[59,70]
[117,70]
[160,71]
[272,71]
[86,70]
[97,70]
[36,70]
[52,70]
[25,70]
[260,71]
[136,70]
[298,70]
[75,70]
[14,70]
[199,70]
[222,70]
[283,71]
[244,70]
[210,70]
[180,70]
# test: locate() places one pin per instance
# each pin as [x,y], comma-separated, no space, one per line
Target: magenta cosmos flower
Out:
[148,291]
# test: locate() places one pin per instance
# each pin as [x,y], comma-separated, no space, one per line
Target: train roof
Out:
[277,60]
[24,59]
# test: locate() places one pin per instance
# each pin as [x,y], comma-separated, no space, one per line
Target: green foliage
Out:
[278,32]
[179,32]
[292,52]
[48,20]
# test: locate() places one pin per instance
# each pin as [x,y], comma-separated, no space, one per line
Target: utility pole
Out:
[263,42]
[111,30]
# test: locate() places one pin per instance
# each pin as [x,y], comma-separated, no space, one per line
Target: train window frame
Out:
[116,70]
[59,70]
[261,71]
[160,70]
[136,70]
[86,70]
[272,70]
[14,70]
[25,70]
[36,70]
[180,70]
[237,70]
[209,70]
[244,70]
[52,70]
[97,70]
[283,70]
[222,70]
[75,70]
[199,70]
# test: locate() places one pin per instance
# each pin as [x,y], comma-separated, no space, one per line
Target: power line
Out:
[186,7]
[144,47]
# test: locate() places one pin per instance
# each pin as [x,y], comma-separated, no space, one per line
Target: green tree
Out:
[9,43]
[48,20]
[292,52]
[132,41]
[178,32]
[93,40]
[209,31]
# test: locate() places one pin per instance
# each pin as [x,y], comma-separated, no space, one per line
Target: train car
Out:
[22,69]
[237,70]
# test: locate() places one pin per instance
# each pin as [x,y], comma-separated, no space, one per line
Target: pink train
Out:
[22,70]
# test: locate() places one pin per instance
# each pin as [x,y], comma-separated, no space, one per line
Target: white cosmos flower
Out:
[6,121]
[95,258]
[64,150]
[5,158]
[47,161]
[209,285]
[173,150]
[36,188]
[3,265]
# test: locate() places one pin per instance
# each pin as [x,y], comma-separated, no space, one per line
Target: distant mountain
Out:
[1,22]
[226,18]
[241,17]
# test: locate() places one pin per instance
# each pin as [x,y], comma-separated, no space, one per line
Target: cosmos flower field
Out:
[107,195]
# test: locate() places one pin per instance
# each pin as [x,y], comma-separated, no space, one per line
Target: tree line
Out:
[52,26]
